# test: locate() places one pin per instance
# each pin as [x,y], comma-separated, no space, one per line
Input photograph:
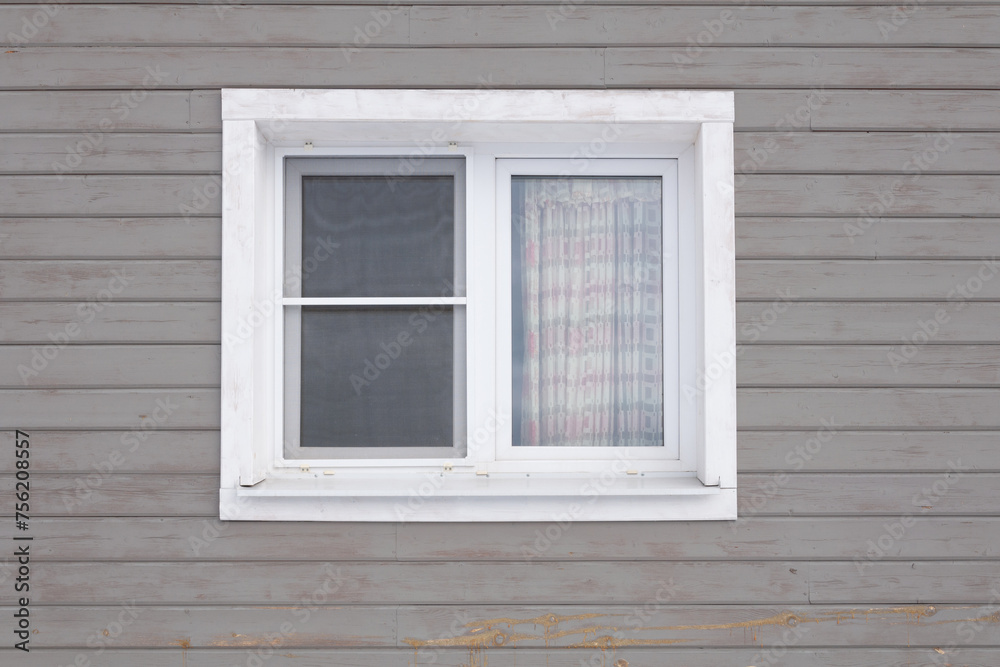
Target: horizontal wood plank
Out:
[201,583]
[479,25]
[865,280]
[525,627]
[90,322]
[724,25]
[282,67]
[103,492]
[498,657]
[957,492]
[871,196]
[910,110]
[110,365]
[165,452]
[781,321]
[867,451]
[218,23]
[908,153]
[103,111]
[109,152]
[801,67]
[104,280]
[863,408]
[125,539]
[110,238]
[137,409]
[866,237]
[753,537]
[935,582]
[105,195]
[868,365]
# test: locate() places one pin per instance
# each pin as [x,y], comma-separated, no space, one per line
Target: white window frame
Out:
[489,127]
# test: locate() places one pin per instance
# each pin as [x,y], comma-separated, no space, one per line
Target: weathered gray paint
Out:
[832,110]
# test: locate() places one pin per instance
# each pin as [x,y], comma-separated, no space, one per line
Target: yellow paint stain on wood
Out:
[485,634]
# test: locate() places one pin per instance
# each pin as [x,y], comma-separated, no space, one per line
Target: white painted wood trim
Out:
[714,197]
[258,123]
[481,105]
[713,504]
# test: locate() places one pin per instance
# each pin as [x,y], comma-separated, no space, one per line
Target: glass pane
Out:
[381,377]
[396,235]
[587,315]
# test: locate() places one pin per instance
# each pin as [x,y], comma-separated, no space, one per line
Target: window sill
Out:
[462,497]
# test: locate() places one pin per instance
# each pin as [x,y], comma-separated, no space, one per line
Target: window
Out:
[478,305]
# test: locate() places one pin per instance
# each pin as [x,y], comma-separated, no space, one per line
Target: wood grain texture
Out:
[105,195]
[461,657]
[66,280]
[216,23]
[109,152]
[798,67]
[84,110]
[528,627]
[779,321]
[166,452]
[866,237]
[869,196]
[110,238]
[869,408]
[201,583]
[866,280]
[111,366]
[480,24]
[907,153]
[868,451]
[919,582]
[911,110]
[137,409]
[214,67]
[956,492]
[753,537]
[868,366]
[733,24]
[89,322]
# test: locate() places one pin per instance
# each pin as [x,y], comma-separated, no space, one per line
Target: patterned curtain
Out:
[588,311]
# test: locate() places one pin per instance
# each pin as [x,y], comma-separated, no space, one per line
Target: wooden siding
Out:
[868,223]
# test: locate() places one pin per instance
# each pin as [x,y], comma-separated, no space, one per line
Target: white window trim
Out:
[693,127]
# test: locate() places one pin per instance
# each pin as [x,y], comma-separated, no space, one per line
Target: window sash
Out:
[667,170]
[289,269]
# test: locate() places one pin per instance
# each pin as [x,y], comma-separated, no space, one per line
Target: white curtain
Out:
[591,311]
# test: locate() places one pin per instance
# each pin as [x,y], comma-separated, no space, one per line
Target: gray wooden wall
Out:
[868,162]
